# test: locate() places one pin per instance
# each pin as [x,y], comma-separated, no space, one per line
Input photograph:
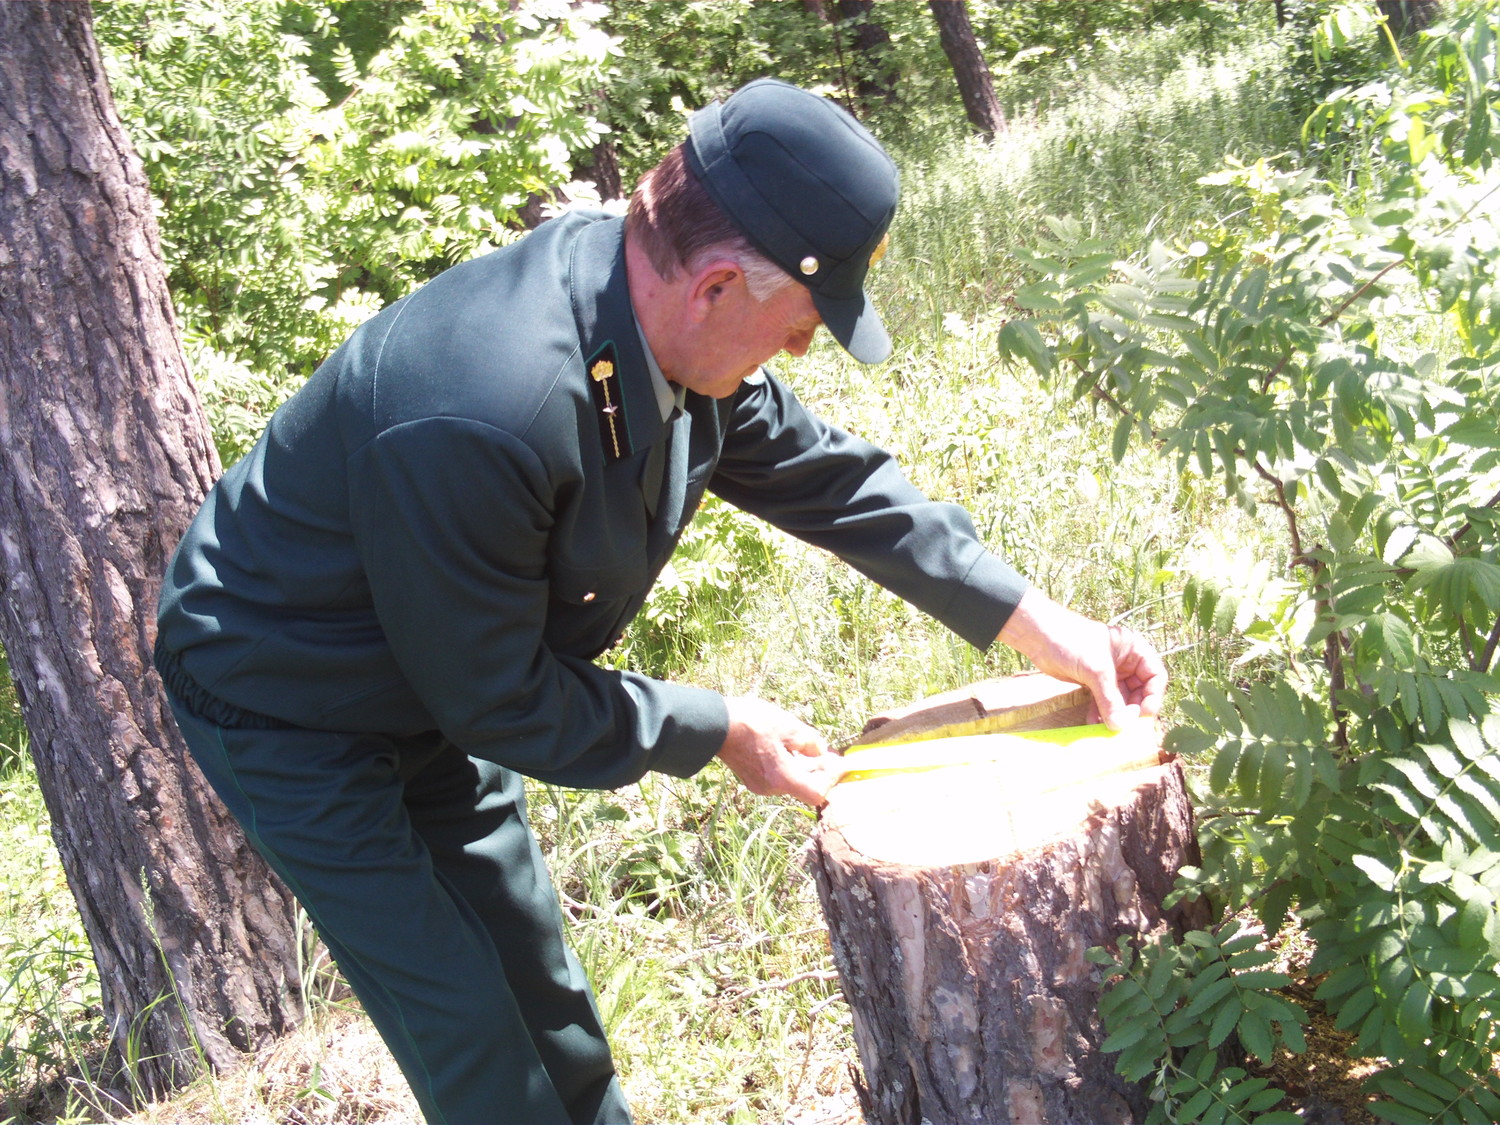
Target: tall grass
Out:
[50,1019]
[686,898]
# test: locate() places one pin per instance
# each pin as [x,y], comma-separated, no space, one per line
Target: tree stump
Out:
[961,903]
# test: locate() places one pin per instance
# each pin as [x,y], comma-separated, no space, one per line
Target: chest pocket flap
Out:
[586,585]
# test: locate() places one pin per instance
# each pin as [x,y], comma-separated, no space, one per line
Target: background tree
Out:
[106,455]
[975,83]
[1407,17]
[600,166]
[316,161]
[864,46]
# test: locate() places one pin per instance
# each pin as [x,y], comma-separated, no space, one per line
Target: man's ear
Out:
[714,282]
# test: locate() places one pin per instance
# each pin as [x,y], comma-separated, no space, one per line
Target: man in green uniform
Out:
[387,613]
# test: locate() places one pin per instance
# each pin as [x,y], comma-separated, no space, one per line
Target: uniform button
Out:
[590,596]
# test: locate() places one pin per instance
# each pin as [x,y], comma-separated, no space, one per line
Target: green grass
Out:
[703,939]
[51,1024]
[688,904]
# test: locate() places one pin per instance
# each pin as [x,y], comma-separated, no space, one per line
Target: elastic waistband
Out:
[202,703]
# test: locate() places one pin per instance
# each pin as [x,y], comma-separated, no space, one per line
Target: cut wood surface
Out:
[962,901]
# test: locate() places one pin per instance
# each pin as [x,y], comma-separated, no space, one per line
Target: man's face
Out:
[741,333]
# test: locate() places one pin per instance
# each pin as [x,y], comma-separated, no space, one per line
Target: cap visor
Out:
[855,324]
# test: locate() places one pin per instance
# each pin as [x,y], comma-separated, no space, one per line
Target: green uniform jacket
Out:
[440,530]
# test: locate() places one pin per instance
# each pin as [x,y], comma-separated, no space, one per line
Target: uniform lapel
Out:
[651,476]
[630,429]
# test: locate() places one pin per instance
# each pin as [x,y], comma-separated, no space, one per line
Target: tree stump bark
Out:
[961,903]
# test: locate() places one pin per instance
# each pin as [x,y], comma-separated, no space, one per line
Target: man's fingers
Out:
[1104,683]
[1132,685]
[792,774]
[1143,672]
[775,753]
[813,789]
[813,747]
[1154,696]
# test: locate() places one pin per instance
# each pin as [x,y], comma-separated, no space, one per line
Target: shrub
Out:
[1340,362]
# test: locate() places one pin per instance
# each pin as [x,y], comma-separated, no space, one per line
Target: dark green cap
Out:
[811,189]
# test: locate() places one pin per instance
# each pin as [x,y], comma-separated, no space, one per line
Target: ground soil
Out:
[1325,1085]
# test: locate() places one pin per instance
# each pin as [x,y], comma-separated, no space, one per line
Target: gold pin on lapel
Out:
[614,426]
[602,373]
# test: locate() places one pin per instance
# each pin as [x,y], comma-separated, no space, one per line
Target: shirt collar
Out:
[669,397]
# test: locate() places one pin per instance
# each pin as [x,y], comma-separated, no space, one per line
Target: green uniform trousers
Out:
[417,867]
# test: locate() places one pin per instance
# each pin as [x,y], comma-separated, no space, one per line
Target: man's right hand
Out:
[1119,666]
[776,753]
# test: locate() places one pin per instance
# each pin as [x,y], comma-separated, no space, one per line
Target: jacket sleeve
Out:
[827,487]
[452,519]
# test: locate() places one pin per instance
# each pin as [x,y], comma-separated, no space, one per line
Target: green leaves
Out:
[1020,340]
[1448,789]
[316,161]
[1416,1094]
[1171,1007]
[1353,768]
[1461,585]
[1410,943]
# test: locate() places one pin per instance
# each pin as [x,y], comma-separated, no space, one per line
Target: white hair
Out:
[763,277]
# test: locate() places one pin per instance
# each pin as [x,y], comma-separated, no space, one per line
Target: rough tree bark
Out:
[975,83]
[104,457]
[961,903]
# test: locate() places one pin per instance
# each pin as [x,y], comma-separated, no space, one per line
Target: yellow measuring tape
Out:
[1091,749]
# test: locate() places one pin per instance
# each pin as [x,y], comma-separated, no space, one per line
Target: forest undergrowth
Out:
[686,899]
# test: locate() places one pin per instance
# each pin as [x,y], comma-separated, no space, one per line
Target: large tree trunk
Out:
[602,168]
[602,164]
[962,901]
[975,83]
[104,457]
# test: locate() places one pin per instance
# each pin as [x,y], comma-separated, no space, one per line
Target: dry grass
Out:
[336,1071]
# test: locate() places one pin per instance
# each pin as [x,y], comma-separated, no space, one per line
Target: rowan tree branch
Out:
[1278,488]
[1333,644]
[1453,539]
[1489,649]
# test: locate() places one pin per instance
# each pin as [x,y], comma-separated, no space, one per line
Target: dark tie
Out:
[667,458]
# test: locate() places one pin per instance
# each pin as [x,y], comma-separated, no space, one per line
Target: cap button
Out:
[590,596]
[809,265]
